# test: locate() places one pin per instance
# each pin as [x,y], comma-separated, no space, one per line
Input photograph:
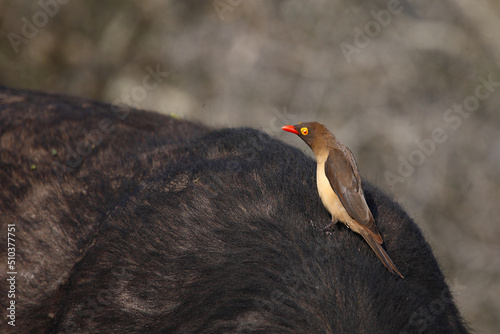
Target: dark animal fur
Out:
[163,225]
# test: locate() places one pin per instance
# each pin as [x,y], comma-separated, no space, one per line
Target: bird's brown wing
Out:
[342,172]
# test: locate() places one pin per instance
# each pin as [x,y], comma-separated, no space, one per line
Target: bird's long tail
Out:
[381,254]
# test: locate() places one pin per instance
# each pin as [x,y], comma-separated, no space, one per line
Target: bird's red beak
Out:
[290,128]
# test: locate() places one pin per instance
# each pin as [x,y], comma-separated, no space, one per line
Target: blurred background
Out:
[413,88]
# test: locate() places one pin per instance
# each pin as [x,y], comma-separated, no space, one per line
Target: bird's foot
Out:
[330,225]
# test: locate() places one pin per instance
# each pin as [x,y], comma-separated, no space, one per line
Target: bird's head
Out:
[313,133]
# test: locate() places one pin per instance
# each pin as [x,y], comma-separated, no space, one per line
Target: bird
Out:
[339,186]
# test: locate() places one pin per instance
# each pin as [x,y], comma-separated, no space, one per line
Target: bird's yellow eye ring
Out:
[304,131]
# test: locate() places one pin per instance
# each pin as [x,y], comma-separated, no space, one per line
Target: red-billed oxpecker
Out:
[339,186]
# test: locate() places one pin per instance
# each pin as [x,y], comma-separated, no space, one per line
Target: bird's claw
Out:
[330,225]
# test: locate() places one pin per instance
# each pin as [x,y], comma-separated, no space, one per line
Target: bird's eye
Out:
[304,131]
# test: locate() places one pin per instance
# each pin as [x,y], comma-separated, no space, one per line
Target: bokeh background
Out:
[412,87]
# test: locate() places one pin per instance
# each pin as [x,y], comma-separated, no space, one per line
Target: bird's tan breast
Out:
[329,198]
